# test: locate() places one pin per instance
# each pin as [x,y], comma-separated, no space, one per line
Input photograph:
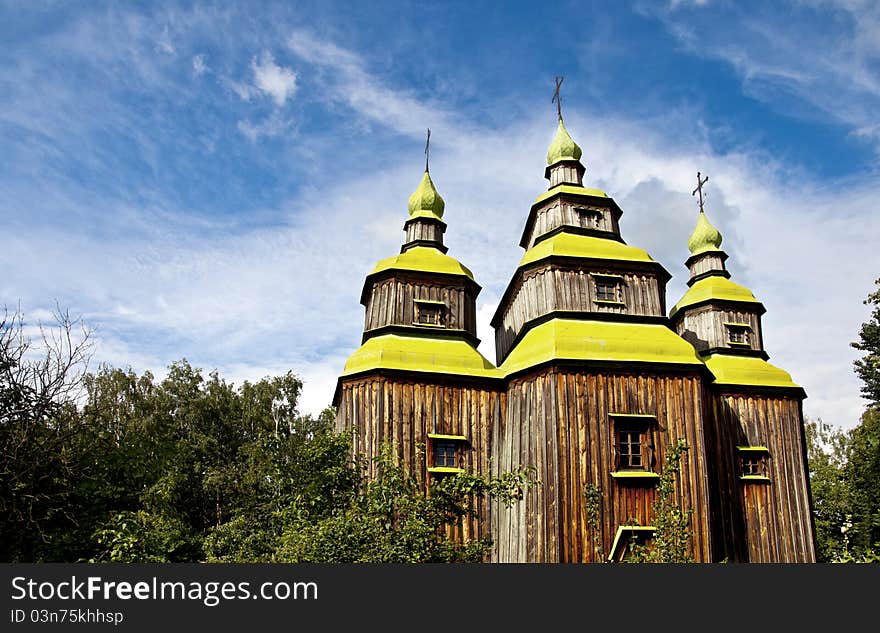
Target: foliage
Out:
[868,367]
[845,466]
[41,369]
[395,518]
[827,454]
[593,506]
[115,466]
[671,542]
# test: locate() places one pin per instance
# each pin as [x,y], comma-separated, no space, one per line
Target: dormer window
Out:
[429,313]
[738,334]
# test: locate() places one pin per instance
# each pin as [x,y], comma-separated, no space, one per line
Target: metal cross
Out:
[427,149]
[699,189]
[556,98]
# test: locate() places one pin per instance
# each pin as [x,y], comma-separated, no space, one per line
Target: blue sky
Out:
[213,181]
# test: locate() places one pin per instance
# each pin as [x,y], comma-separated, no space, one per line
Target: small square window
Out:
[445,453]
[738,334]
[607,290]
[629,448]
[752,465]
[429,313]
[590,218]
[753,462]
[633,437]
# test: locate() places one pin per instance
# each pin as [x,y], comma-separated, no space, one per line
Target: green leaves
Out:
[868,367]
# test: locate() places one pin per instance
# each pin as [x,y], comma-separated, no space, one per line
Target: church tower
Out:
[417,382]
[755,438]
[598,384]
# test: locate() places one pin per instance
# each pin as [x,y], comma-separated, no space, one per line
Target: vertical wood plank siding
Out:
[554,287]
[761,522]
[704,327]
[567,212]
[424,231]
[399,412]
[391,303]
[558,421]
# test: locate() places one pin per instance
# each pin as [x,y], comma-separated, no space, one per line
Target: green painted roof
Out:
[715,287]
[576,245]
[407,352]
[423,259]
[563,147]
[583,191]
[747,370]
[705,237]
[425,200]
[571,339]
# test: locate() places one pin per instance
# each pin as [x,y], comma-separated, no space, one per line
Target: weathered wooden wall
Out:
[381,409]
[424,231]
[558,421]
[704,327]
[760,522]
[391,303]
[704,263]
[556,287]
[564,212]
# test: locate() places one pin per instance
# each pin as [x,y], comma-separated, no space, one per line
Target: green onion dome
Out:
[563,147]
[705,237]
[425,201]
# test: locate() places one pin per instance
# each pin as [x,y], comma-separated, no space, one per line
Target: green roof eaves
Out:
[423,259]
[427,215]
[575,339]
[579,191]
[714,287]
[441,355]
[576,245]
[748,371]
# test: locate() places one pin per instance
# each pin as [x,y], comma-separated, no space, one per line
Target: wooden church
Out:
[594,381]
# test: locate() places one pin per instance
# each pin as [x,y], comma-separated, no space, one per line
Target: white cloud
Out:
[164,44]
[199,64]
[349,82]
[273,125]
[276,81]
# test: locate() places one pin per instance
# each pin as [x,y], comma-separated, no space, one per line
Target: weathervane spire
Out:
[427,149]
[699,189]
[556,98]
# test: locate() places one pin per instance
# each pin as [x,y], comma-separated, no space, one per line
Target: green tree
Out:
[862,473]
[395,519]
[827,456]
[868,367]
[41,372]
[845,467]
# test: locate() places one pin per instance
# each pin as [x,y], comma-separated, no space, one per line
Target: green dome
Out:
[563,147]
[705,237]
[425,200]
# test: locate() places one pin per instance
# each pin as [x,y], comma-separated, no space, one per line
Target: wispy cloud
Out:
[271,79]
[787,56]
[199,64]
[352,84]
